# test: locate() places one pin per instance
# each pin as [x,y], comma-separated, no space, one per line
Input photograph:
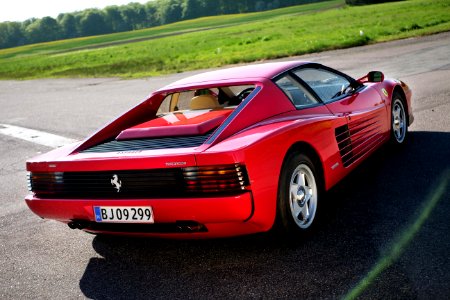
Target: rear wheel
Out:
[399,122]
[298,194]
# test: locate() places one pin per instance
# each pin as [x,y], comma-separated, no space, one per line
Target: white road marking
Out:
[35,136]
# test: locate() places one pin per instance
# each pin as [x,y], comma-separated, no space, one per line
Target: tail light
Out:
[45,183]
[216,179]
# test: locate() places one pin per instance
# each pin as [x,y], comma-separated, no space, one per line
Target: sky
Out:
[20,10]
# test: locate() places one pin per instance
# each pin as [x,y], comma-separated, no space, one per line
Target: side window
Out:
[165,105]
[326,84]
[299,96]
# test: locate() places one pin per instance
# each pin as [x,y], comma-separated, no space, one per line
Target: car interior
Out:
[207,98]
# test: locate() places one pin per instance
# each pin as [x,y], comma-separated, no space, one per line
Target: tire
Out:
[299,190]
[399,121]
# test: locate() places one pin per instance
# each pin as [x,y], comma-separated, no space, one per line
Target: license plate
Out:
[124,214]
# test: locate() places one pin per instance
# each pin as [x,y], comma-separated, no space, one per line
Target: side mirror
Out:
[372,76]
[375,76]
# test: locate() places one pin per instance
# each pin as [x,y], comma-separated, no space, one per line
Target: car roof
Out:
[252,72]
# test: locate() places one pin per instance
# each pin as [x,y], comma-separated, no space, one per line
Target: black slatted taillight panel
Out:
[149,144]
[146,184]
[109,184]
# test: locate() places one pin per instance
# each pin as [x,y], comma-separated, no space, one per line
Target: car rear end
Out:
[140,174]
[166,195]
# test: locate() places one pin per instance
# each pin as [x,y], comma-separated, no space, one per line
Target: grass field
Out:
[170,29]
[242,38]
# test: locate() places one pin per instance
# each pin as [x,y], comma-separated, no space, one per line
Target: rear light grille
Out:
[156,183]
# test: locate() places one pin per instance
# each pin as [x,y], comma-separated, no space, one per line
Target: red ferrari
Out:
[223,153]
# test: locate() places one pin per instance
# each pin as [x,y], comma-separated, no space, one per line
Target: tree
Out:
[151,14]
[190,9]
[226,7]
[92,23]
[169,11]
[134,15]
[140,15]
[245,6]
[114,19]
[68,26]
[43,30]
[11,34]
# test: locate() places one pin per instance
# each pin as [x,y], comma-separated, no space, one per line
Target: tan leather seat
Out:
[204,102]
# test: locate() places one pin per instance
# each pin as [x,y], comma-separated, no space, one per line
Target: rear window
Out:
[211,98]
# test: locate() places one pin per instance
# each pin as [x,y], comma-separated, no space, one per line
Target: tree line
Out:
[126,17]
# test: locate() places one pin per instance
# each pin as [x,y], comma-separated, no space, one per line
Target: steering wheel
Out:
[345,89]
[244,93]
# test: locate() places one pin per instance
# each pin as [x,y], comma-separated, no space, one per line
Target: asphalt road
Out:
[384,232]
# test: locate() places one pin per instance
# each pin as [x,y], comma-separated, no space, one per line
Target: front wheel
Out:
[298,194]
[399,122]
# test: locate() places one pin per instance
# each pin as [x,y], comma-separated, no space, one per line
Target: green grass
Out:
[257,36]
[170,29]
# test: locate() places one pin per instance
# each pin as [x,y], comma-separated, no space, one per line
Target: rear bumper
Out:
[217,217]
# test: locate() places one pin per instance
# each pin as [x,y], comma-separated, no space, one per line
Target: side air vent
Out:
[149,144]
[345,144]
[365,135]
[358,137]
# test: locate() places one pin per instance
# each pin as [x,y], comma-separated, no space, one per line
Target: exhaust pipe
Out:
[77,225]
[180,226]
[190,226]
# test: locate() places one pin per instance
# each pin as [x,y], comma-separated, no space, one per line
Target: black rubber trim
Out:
[252,212]
[305,85]
[302,83]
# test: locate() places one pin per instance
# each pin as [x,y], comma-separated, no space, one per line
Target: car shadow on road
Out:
[360,217]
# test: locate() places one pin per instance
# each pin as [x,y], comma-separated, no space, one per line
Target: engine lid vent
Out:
[149,144]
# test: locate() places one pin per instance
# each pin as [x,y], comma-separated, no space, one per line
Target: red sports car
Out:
[223,153]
